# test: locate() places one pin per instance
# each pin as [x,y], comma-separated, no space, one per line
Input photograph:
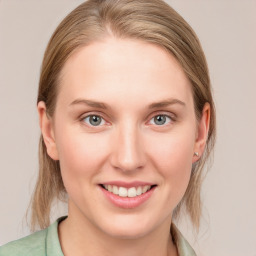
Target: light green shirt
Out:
[46,243]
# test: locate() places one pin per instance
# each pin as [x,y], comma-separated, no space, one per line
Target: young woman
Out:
[127,120]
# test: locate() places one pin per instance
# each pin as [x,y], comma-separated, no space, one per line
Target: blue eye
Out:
[94,120]
[160,119]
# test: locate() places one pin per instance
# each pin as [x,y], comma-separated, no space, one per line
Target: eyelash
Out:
[172,119]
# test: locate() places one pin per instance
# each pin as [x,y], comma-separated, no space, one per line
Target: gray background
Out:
[227,30]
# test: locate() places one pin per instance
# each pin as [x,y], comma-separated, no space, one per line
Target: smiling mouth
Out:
[127,192]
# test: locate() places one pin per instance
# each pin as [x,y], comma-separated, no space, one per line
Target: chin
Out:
[128,228]
[128,233]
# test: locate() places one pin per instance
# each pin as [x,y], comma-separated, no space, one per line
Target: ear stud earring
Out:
[196,154]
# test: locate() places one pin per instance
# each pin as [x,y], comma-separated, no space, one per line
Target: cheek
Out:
[173,160]
[80,154]
[172,151]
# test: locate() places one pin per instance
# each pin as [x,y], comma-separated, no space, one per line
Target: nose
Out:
[127,149]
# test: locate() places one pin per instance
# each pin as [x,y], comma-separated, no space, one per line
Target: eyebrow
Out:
[91,103]
[96,104]
[166,103]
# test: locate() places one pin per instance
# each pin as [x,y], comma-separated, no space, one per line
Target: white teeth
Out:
[145,189]
[109,188]
[125,192]
[115,190]
[139,191]
[132,192]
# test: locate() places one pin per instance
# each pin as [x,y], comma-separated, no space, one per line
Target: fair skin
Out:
[127,144]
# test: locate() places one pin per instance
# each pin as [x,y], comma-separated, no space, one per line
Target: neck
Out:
[78,235]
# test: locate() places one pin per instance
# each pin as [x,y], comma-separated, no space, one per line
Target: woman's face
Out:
[124,123]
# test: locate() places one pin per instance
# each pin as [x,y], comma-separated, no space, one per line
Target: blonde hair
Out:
[152,21]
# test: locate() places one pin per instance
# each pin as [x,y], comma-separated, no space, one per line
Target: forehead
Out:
[123,70]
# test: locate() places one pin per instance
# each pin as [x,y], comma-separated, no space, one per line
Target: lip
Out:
[128,184]
[127,202]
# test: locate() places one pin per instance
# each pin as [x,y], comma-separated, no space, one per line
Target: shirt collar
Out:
[52,245]
[181,243]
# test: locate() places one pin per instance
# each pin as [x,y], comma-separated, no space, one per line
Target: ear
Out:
[202,132]
[46,125]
